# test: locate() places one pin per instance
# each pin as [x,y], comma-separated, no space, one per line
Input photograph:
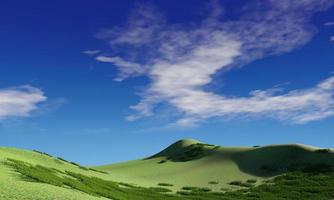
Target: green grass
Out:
[241,184]
[165,184]
[96,170]
[251,181]
[15,187]
[209,163]
[43,153]
[90,185]
[160,189]
[267,172]
[196,189]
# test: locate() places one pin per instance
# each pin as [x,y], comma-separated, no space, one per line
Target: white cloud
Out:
[19,101]
[140,28]
[182,59]
[298,106]
[329,24]
[126,68]
[91,52]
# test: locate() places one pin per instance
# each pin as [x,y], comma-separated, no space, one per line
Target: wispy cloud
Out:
[126,68]
[20,101]
[330,24]
[49,106]
[91,52]
[181,59]
[140,29]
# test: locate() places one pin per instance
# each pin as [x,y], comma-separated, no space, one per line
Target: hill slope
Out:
[192,163]
[14,187]
[36,175]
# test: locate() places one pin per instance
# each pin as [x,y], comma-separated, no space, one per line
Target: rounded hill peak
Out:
[177,147]
[185,142]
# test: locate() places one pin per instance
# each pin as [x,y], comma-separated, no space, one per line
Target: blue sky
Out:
[105,81]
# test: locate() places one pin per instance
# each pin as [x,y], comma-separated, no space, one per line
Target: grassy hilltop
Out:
[188,169]
[190,162]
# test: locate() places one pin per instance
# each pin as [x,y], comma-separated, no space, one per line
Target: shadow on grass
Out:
[274,160]
[178,153]
[311,184]
[267,161]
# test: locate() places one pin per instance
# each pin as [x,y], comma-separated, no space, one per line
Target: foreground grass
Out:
[312,183]
[90,185]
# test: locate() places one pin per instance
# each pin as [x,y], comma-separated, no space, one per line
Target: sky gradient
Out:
[102,81]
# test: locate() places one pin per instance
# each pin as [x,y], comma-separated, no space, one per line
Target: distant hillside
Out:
[190,162]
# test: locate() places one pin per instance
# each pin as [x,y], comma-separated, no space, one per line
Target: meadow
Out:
[278,172]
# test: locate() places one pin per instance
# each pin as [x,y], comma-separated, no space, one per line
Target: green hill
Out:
[186,166]
[14,187]
[192,163]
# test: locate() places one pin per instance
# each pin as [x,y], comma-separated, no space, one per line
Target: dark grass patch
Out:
[99,171]
[36,173]
[188,188]
[78,165]
[323,151]
[196,189]
[216,147]
[192,152]
[74,163]
[189,153]
[165,184]
[241,184]
[160,189]
[213,182]
[84,168]
[126,185]
[162,161]
[251,181]
[184,193]
[235,182]
[43,153]
[62,159]
[184,154]
[300,184]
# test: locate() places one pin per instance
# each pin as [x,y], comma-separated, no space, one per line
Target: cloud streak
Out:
[181,59]
[126,68]
[20,101]
[330,24]
[91,52]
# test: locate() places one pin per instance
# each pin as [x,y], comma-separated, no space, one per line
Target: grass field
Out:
[187,169]
[14,187]
[191,163]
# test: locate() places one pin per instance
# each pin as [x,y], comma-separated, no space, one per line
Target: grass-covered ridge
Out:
[196,164]
[312,182]
[191,170]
